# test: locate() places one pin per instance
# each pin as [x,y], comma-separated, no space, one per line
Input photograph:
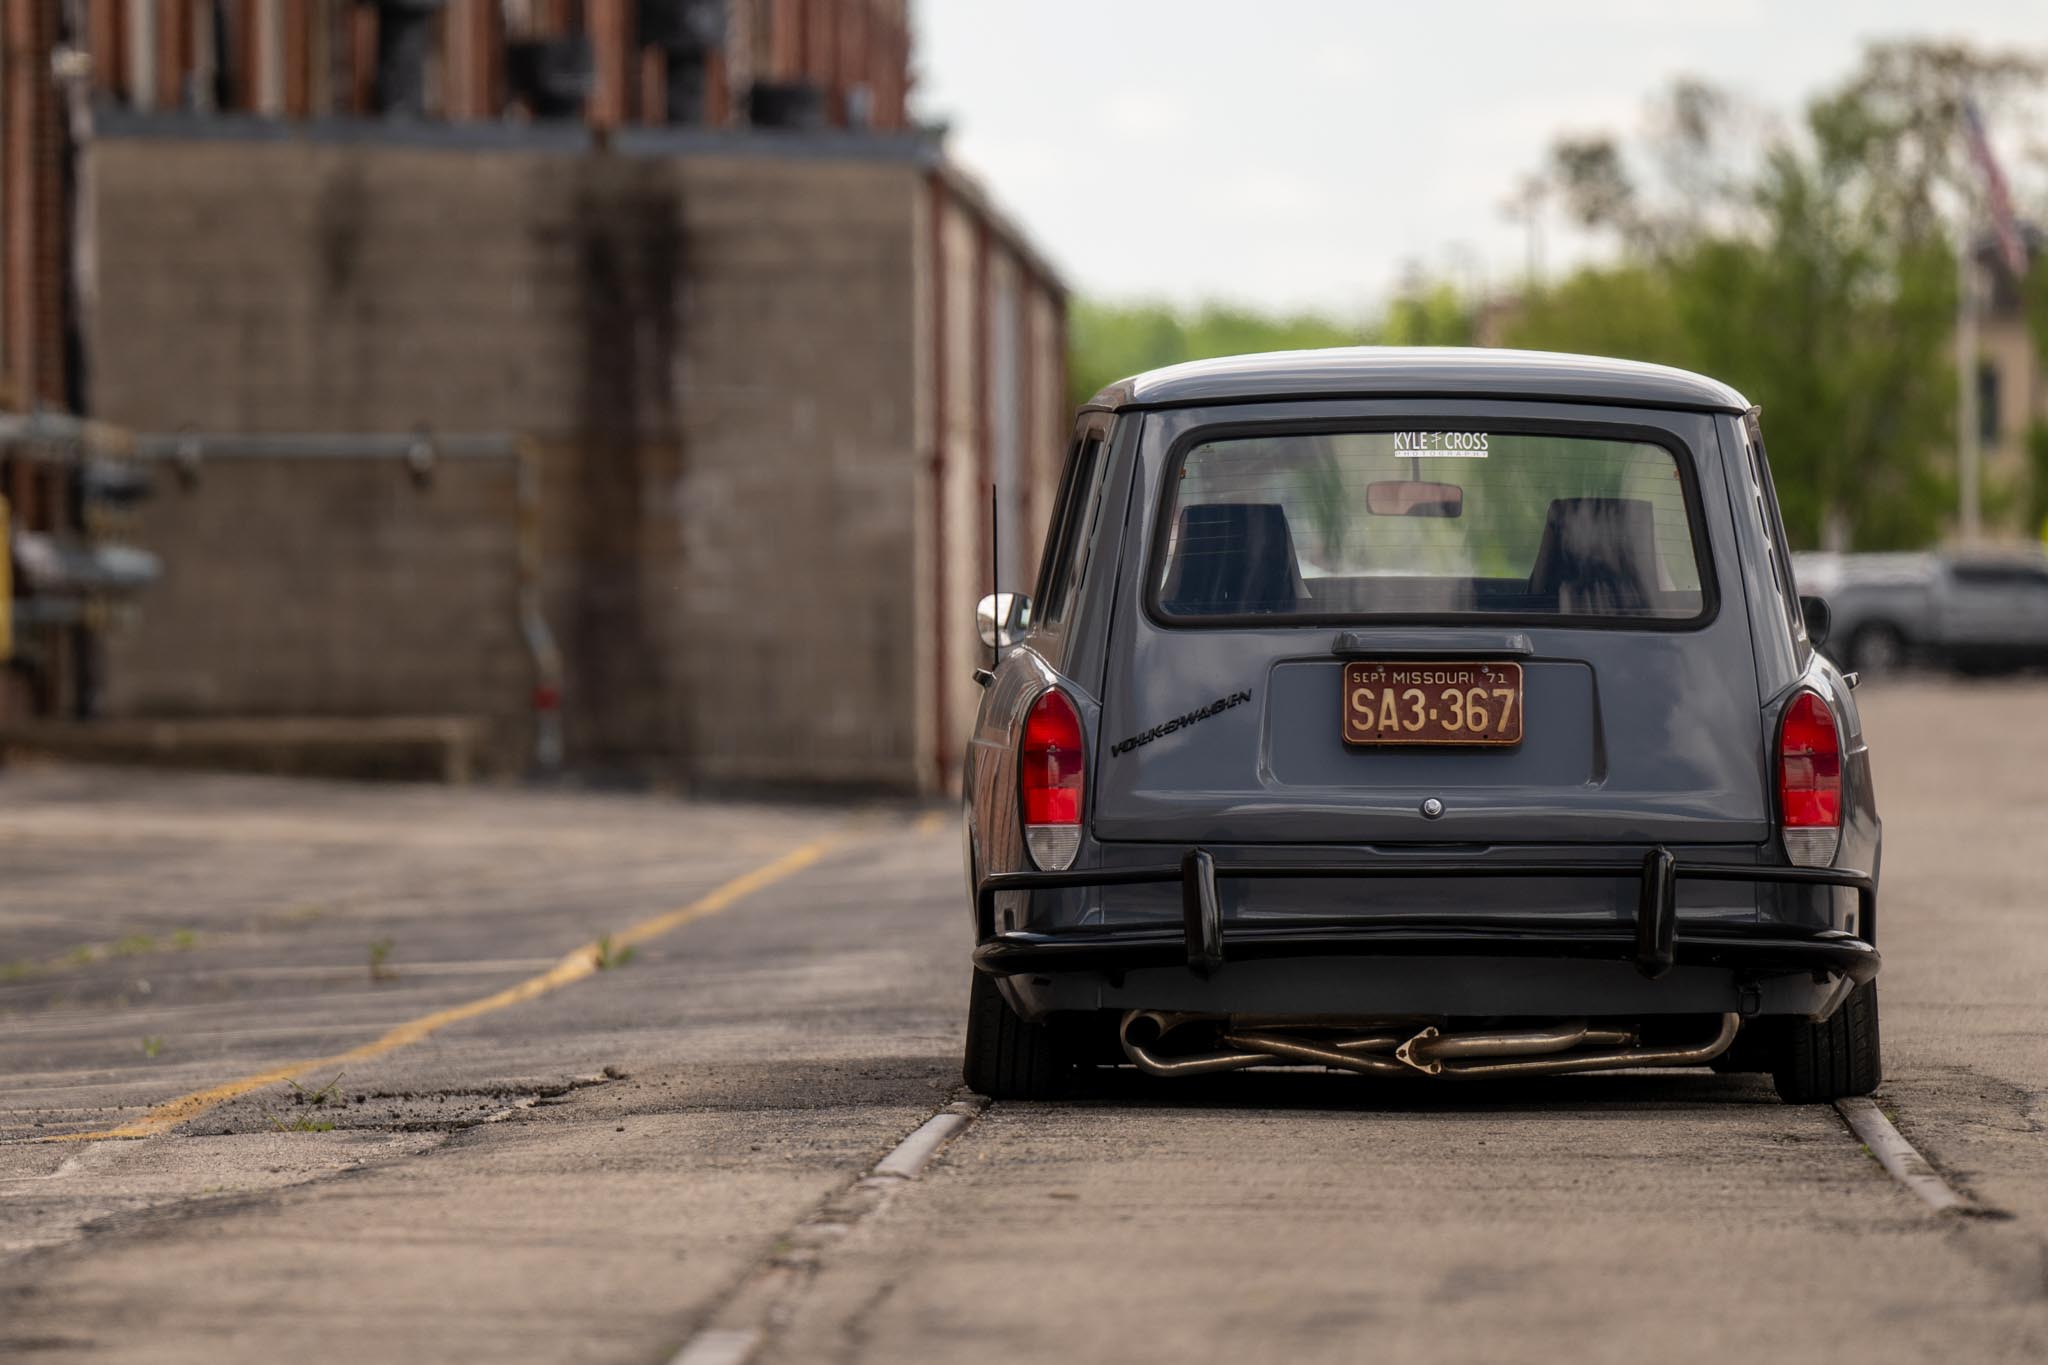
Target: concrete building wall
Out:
[1047,421]
[962,486]
[727,362]
[996,338]
[799,493]
[341,587]
[697,548]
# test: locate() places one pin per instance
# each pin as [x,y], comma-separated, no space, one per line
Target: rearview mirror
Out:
[1002,618]
[1414,498]
[1820,619]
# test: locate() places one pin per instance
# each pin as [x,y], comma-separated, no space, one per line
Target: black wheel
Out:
[1982,665]
[1007,1057]
[1816,1063]
[1876,649]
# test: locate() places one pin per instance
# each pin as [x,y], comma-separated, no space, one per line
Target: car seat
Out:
[1598,556]
[1232,557]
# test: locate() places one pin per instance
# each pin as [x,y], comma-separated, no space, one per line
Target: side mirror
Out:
[1002,618]
[1819,619]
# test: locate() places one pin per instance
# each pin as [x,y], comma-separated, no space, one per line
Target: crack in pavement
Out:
[765,1299]
[173,1158]
[1991,1238]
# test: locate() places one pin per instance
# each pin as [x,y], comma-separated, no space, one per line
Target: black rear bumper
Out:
[1652,943]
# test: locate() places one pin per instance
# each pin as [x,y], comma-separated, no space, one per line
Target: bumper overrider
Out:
[1273,1005]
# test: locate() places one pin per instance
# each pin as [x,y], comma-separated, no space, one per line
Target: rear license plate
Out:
[1428,703]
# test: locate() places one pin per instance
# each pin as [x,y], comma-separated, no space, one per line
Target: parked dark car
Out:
[1414,713]
[1978,611]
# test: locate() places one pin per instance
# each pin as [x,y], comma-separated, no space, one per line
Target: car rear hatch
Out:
[1583,575]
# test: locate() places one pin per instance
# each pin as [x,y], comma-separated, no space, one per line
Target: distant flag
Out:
[1995,193]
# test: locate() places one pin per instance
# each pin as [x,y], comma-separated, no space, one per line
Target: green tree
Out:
[1427,315]
[1109,341]
[1812,269]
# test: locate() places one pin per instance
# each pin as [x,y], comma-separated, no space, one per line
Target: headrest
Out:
[1598,555]
[1231,557]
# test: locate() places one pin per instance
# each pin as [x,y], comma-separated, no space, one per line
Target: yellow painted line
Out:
[573,968]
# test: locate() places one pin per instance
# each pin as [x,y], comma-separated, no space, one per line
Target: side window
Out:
[1766,495]
[2001,576]
[1050,570]
[1073,524]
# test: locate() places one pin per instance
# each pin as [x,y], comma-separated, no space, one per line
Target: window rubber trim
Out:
[1683,457]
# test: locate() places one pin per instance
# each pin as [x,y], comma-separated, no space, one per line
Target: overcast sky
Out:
[1302,153]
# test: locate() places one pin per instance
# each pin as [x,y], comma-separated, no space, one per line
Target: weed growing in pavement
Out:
[606,957]
[380,954]
[304,1125]
[85,954]
[152,1045]
[300,1095]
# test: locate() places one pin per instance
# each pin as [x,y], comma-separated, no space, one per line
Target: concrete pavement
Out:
[677,1141]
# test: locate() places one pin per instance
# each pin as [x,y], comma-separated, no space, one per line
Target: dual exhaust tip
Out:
[1234,1042]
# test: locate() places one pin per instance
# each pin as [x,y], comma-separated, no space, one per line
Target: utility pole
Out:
[1525,206]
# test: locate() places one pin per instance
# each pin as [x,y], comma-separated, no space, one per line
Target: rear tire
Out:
[1983,665]
[1817,1063]
[1876,650]
[1009,1058]
[1755,1049]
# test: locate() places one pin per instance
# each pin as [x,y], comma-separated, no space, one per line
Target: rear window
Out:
[1428,524]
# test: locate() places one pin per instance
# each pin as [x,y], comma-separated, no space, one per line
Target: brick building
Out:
[801,63]
[749,352]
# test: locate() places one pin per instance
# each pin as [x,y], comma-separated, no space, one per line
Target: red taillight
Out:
[1049,780]
[1809,780]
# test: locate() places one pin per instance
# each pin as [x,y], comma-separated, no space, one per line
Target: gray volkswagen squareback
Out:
[1418,713]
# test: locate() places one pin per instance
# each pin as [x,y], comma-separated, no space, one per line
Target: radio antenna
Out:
[995,573]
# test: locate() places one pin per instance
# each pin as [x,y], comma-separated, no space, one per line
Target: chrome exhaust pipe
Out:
[1353,1054]
[1430,1049]
[1265,1041]
[1699,1055]
[1142,1029]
